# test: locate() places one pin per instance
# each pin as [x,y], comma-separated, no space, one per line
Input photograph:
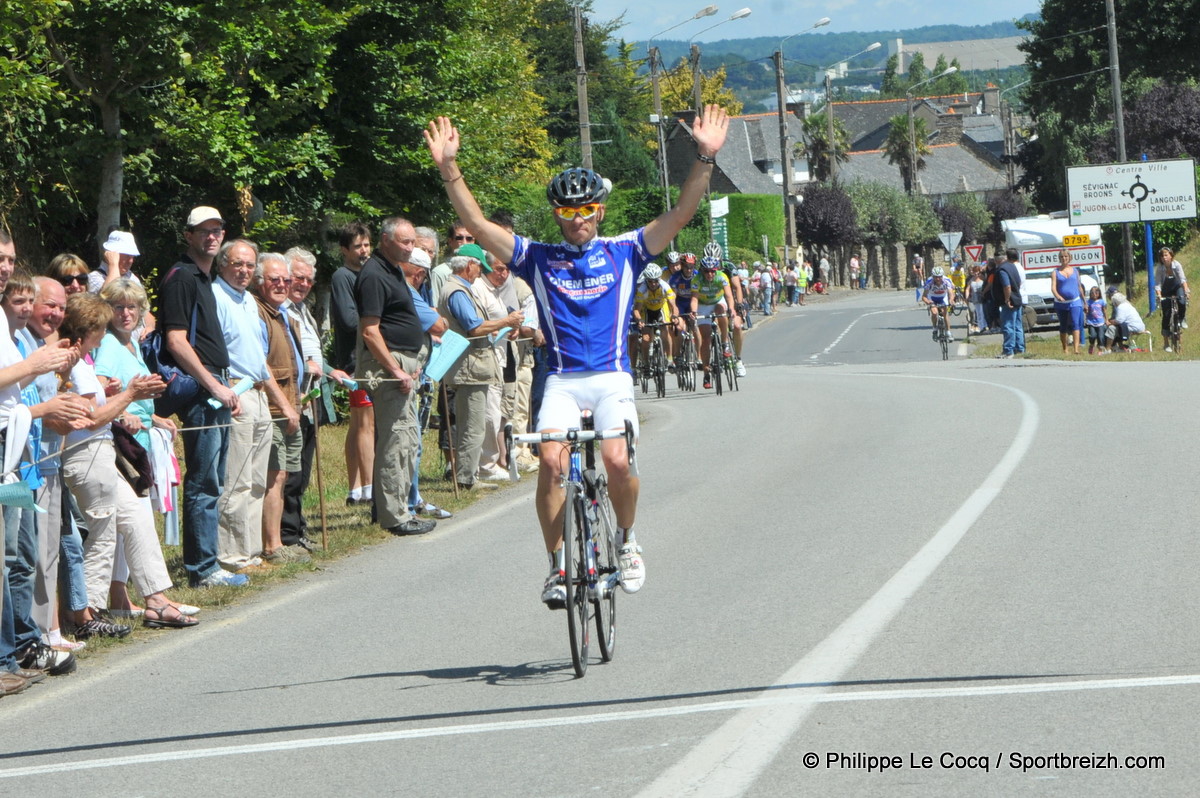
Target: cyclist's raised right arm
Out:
[443,142]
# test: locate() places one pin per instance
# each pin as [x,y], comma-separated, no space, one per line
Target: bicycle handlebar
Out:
[571,436]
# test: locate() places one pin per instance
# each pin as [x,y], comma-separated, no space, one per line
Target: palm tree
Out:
[816,132]
[896,148]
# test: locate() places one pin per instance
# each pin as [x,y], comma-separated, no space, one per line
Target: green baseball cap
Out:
[475,251]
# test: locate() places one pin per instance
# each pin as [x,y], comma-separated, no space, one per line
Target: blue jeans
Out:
[1014,330]
[8,637]
[21,560]
[70,565]
[766,301]
[204,453]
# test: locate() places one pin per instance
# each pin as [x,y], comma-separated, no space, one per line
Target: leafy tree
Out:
[826,217]
[818,149]
[892,85]
[966,214]
[917,70]
[1162,123]
[676,87]
[1004,206]
[897,149]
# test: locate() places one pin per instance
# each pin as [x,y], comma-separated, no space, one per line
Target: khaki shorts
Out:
[285,449]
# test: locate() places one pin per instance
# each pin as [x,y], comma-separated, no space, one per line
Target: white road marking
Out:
[728,761]
[849,327]
[788,695]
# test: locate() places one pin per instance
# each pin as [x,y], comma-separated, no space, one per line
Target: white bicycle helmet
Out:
[652,272]
[938,271]
[672,257]
[712,250]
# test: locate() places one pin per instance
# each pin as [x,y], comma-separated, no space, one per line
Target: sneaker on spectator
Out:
[287,554]
[633,568]
[529,464]
[223,577]
[478,485]
[41,657]
[554,592]
[413,526]
[493,473]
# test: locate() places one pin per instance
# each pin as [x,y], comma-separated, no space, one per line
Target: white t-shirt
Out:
[1127,313]
[10,395]
[84,382]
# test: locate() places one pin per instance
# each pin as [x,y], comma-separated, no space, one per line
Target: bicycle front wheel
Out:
[604,595]
[575,561]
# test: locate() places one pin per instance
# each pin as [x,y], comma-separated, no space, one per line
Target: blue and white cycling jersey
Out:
[938,294]
[584,297]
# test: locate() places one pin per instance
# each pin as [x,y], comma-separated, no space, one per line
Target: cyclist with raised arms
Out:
[938,295]
[711,294]
[584,288]
[652,305]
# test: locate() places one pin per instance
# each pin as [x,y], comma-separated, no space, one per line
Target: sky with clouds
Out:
[783,17]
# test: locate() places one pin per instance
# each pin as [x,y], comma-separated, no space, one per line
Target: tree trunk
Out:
[112,172]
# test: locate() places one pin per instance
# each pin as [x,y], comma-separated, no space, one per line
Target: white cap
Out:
[122,243]
[202,214]
[420,257]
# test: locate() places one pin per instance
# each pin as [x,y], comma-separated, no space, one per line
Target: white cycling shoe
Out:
[633,568]
[554,592]
[739,369]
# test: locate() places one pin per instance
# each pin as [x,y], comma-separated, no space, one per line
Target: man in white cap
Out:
[119,252]
[193,336]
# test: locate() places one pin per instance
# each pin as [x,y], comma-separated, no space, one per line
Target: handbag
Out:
[133,461]
[182,388]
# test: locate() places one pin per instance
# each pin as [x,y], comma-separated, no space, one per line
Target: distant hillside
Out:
[823,48]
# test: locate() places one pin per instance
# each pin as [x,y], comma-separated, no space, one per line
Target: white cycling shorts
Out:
[705,310]
[608,394]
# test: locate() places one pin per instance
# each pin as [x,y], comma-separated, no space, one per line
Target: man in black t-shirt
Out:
[186,302]
[392,346]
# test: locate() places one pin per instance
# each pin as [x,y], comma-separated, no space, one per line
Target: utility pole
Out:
[1119,114]
[785,157]
[658,124]
[697,97]
[585,124]
[829,113]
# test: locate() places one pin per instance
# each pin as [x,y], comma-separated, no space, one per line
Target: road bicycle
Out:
[685,359]
[654,369]
[942,336]
[1170,308]
[721,362]
[589,554]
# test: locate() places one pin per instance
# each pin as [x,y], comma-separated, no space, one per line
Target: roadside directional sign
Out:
[974,252]
[1142,191]
[950,241]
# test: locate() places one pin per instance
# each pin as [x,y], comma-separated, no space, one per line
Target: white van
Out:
[1038,239]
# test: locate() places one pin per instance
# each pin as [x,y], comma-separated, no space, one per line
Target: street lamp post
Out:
[785,156]
[912,131]
[655,62]
[1010,145]
[829,107]
[741,13]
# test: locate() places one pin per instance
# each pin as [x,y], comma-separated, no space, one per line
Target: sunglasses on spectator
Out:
[464,237]
[278,280]
[67,279]
[583,212]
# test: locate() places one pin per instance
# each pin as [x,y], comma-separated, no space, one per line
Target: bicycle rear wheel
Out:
[606,589]
[575,562]
[943,337]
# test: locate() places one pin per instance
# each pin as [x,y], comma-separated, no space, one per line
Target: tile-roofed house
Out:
[750,159]
[949,169]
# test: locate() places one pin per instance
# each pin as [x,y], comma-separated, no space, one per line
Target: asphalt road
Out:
[870,572]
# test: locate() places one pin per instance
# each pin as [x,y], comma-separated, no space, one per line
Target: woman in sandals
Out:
[107,501]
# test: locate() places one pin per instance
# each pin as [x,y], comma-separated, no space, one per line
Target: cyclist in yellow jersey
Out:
[652,305]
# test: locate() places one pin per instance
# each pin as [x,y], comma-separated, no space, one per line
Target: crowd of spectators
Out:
[89,429]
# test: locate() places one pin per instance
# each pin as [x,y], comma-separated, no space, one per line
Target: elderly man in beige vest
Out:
[479,368]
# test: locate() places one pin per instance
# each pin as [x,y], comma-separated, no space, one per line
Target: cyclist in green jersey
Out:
[711,294]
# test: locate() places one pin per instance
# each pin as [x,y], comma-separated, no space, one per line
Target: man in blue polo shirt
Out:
[584,288]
